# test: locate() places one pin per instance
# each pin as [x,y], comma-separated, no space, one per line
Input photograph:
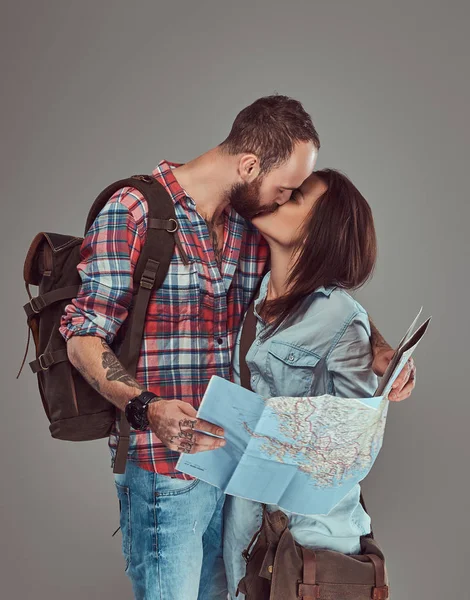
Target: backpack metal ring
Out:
[176,226]
[33,307]
[41,361]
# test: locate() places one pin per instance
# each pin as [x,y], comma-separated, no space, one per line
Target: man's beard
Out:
[244,198]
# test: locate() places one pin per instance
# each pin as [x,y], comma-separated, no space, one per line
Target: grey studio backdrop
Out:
[93,91]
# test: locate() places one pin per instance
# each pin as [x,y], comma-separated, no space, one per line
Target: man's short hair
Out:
[270,128]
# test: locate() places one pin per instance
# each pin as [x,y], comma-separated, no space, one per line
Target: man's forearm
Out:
[376,339]
[98,364]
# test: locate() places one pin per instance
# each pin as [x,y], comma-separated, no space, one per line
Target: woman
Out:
[312,338]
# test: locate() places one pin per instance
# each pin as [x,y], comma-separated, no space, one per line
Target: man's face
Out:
[266,193]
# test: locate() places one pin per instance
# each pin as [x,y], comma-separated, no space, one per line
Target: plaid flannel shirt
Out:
[192,320]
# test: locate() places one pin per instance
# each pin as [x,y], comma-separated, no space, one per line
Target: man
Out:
[172,524]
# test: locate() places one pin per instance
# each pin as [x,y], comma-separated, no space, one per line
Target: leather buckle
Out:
[380,593]
[145,178]
[43,363]
[147,280]
[308,590]
[175,227]
[37,304]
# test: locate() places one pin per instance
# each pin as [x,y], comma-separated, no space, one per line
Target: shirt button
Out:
[220,341]
[258,342]
[291,357]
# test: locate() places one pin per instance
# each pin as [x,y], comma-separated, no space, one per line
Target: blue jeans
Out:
[171,536]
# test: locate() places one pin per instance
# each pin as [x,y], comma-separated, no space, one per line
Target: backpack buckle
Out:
[144,178]
[37,304]
[380,593]
[147,280]
[149,275]
[44,363]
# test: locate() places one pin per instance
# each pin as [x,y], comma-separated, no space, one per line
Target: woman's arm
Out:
[349,362]
[383,353]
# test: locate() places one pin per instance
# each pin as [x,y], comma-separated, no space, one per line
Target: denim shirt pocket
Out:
[290,368]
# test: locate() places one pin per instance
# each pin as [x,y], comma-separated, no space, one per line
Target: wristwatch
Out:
[136,410]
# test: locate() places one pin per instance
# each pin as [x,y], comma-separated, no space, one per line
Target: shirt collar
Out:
[326,291]
[164,172]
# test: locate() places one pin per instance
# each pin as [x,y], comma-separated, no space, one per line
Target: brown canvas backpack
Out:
[75,410]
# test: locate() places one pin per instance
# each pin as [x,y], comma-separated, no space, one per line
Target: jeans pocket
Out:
[125,521]
[173,486]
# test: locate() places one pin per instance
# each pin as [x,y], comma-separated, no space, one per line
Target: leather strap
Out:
[149,274]
[246,340]
[170,225]
[379,570]
[331,591]
[39,303]
[246,552]
[309,588]
[380,593]
[347,591]
[47,360]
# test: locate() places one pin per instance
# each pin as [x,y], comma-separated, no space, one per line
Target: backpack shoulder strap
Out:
[149,274]
[153,263]
[247,338]
[136,182]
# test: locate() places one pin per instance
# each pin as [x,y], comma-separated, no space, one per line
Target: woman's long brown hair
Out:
[338,247]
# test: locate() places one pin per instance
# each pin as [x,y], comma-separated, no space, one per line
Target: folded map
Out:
[303,454]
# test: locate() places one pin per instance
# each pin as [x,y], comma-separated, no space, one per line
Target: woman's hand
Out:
[406,380]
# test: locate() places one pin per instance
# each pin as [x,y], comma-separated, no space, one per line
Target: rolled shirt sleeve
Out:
[350,360]
[109,254]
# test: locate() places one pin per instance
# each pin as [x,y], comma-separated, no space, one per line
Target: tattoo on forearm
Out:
[376,339]
[115,371]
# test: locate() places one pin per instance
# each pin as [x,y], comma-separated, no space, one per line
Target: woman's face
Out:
[285,225]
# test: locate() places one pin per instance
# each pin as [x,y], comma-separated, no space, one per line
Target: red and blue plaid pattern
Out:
[193,319]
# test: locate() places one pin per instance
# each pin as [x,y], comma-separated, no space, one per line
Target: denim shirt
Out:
[323,349]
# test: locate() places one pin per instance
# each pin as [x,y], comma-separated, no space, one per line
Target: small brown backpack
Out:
[278,568]
[75,410]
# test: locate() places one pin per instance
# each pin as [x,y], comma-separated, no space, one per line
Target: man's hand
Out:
[406,380]
[174,422]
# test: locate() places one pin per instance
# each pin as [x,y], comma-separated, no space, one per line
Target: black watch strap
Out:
[146,397]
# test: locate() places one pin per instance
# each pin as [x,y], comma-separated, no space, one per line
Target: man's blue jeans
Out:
[171,536]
